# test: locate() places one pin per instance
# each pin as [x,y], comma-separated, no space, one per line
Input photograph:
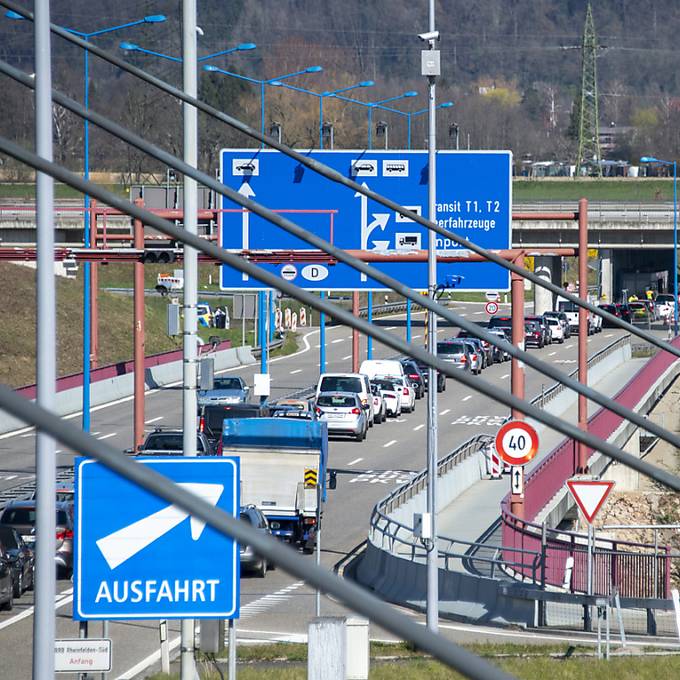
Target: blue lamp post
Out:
[133,47]
[150,19]
[411,114]
[658,161]
[211,68]
[322,96]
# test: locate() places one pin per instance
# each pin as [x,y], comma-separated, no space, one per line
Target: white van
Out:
[382,368]
[349,382]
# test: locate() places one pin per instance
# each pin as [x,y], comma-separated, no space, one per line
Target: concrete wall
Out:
[116,382]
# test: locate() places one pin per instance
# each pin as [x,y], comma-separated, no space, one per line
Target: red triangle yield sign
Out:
[590,495]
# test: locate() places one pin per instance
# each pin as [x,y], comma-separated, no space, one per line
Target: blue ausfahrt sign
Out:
[139,557]
[474,200]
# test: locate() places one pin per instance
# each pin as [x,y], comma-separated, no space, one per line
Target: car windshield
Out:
[227,384]
[7,538]
[165,441]
[450,348]
[337,400]
[340,383]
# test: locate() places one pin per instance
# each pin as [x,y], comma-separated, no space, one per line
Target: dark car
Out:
[533,335]
[547,336]
[21,558]
[415,375]
[21,516]
[250,561]
[6,580]
[441,378]
[171,443]
[486,348]
[213,417]
[614,311]
[624,310]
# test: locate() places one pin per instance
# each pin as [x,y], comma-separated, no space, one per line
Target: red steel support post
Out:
[517,367]
[582,328]
[355,333]
[139,335]
[94,287]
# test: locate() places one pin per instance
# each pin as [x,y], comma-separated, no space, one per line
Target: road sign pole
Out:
[45,464]
[408,319]
[190,345]
[322,338]
[138,333]
[583,329]
[517,367]
[355,333]
[369,316]
[261,314]
[433,552]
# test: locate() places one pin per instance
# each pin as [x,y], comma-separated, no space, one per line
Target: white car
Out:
[348,382]
[556,329]
[407,393]
[390,395]
[379,406]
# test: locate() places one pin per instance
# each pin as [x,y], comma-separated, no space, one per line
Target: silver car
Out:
[343,413]
[226,390]
[454,352]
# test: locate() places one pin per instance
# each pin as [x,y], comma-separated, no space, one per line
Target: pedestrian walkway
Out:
[473,514]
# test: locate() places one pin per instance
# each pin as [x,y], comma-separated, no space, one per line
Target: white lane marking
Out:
[415,337]
[469,396]
[107,436]
[444,412]
[317,346]
[349,337]
[478,312]
[400,420]
[269,601]
[153,658]
[609,335]
[552,354]
[297,370]
[355,461]
[391,328]
[153,420]
[462,314]
[28,434]
[337,340]
[569,346]
[349,356]
[390,443]
[419,427]
[503,377]
[61,599]
[94,434]
[10,477]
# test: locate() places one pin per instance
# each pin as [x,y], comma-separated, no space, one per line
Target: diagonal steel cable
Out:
[335,176]
[292,228]
[352,595]
[179,234]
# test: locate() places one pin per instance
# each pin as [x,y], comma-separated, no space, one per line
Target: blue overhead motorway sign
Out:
[138,556]
[474,200]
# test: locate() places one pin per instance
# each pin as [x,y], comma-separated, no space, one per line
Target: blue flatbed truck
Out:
[283,472]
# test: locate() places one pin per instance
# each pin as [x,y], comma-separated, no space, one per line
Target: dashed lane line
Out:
[505,377]
[337,340]
[297,370]
[153,420]
[444,412]
[415,337]
[390,443]
[107,436]
[349,356]
[552,354]
[419,427]
[355,461]
[469,396]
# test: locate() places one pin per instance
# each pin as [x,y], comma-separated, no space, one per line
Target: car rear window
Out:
[227,384]
[337,400]
[16,516]
[7,538]
[450,348]
[338,383]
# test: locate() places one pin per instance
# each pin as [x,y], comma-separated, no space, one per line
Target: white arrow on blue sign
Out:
[137,556]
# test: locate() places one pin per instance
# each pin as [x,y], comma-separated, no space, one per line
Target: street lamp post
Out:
[658,161]
[410,114]
[321,96]
[87,295]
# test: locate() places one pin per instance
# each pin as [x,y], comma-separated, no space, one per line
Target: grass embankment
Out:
[288,662]
[18,331]
[626,190]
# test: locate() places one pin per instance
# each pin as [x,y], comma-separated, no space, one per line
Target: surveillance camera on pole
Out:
[430,35]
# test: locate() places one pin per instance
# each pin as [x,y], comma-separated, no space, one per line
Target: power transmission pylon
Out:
[589,130]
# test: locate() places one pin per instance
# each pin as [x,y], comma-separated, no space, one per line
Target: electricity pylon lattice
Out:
[589,131]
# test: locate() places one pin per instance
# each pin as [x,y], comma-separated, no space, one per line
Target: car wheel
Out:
[261,570]
[9,604]
[361,436]
[441,388]
[19,585]
[31,583]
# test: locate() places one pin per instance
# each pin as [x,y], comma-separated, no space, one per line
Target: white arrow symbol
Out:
[379,220]
[125,543]
[245,190]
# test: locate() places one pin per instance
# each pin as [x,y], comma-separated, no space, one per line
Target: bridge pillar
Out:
[606,274]
[548,267]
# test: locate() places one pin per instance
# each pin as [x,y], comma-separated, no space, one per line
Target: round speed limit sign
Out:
[517,442]
[491,307]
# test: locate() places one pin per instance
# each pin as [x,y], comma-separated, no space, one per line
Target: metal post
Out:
[369,316]
[231,667]
[583,328]
[355,333]
[386,137]
[318,544]
[321,122]
[408,133]
[190,345]
[433,552]
[165,647]
[322,338]
[262,84]
[675,247]
[370,127]
[243,320]
[45,465]
[262,333]
[517,367]
[139,335]
[408,319]
[94,289]
[82,634]
[272,314]
[105,635]
[591,548]
[87,323]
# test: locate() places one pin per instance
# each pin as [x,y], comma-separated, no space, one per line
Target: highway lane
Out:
[368,471]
